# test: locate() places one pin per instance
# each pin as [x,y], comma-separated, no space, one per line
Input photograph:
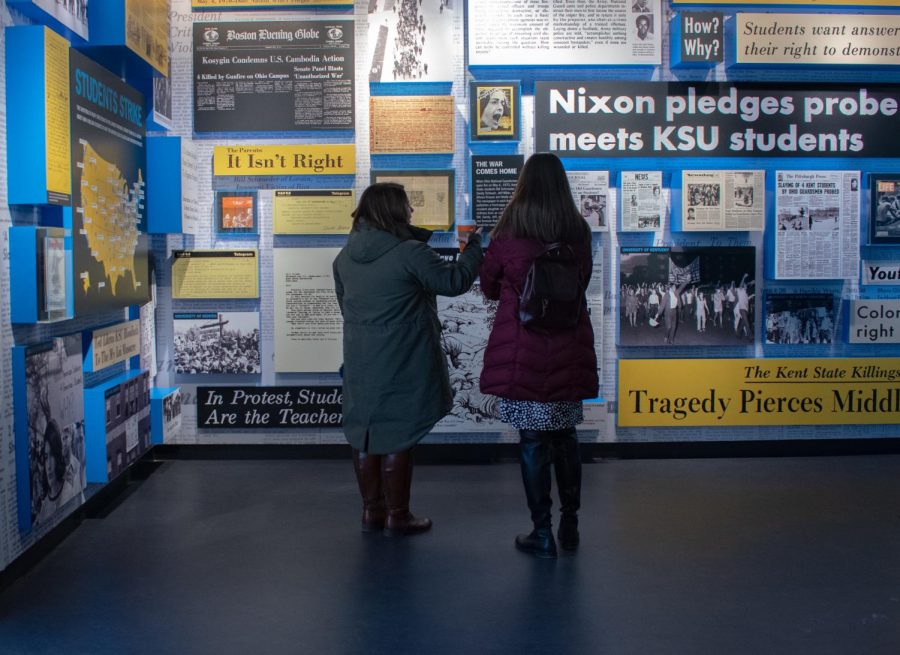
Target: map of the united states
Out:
[111,214]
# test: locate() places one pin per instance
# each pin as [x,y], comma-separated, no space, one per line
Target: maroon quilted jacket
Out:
[522,364]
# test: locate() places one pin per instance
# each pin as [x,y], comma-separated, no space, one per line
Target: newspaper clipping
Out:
[817,224]
[577,32]
[590,189]
[643,203]
[309,328]
[723,200]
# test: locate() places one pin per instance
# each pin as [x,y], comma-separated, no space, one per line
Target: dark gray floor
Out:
[768,556]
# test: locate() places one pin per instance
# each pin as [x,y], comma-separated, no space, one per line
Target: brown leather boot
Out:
[368,475]
[396,474]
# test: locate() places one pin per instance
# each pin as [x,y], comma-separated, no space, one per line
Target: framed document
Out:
[54,288]
[411,124]
[236,212]
[431,194]
[884,214]
[494,111]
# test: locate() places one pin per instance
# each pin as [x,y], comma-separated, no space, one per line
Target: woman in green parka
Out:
[396,384]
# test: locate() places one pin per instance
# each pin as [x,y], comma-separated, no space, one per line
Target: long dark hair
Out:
[383,205]
[542,207]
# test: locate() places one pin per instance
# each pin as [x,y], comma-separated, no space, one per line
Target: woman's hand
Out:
[468,236]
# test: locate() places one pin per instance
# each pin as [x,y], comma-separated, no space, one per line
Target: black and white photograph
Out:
[799,318]
[55,408]
[466,323]
[412,40]
[642,6]
[162,101]
[884,216]
[172,410]
[593,208]
[643,27]
[825,219]
[127,423]
[648,221]
[794,218]
[71,13]
[704,195]
[216,342]
[744,183]
[687,296]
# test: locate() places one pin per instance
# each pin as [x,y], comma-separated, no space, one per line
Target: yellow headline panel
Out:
[313,211]
[803,3]
[215,274]
[56,117]
[337,159]
[724,392]
[262,4]
[147,31]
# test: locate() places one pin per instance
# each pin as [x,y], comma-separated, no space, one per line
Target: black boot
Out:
[396,474]
[567,463]
[368,476]
[535,449]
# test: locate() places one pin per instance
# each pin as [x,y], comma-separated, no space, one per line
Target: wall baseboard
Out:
[498,452]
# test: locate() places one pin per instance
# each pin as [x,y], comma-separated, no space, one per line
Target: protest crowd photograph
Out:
[225,342]
[794,318]
[687,297]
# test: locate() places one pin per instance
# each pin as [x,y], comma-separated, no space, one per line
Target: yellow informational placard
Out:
[334,159]
[313,211]
[215,274]
[147,31]
[262,4]
[56,113]
[724,392]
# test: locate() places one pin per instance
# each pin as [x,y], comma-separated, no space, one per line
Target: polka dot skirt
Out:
[533,415]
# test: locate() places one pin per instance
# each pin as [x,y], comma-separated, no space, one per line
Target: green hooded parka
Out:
[396,384]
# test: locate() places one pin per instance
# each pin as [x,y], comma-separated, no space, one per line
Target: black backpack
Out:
[553,292]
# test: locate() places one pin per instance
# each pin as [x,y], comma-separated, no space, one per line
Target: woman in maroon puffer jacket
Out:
[540,376]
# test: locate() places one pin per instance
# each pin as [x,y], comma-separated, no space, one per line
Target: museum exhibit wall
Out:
[243,204]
